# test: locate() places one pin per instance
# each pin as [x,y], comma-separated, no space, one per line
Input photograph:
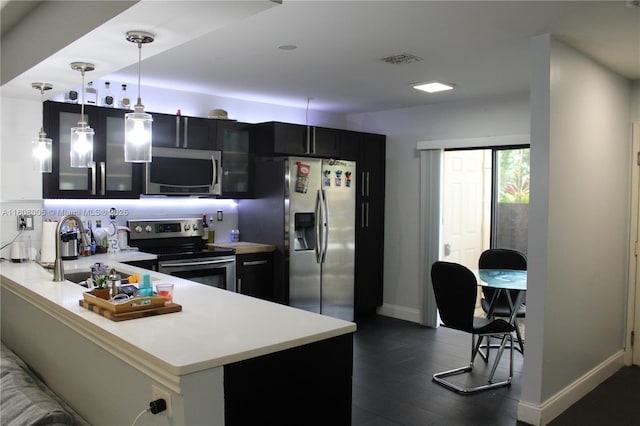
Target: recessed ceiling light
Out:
[288,47]
[433,86]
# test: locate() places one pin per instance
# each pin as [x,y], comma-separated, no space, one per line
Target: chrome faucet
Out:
[58,268]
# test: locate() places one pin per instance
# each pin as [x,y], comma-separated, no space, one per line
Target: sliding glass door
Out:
[485,200]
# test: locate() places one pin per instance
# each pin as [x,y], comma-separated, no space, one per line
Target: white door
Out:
[466,201]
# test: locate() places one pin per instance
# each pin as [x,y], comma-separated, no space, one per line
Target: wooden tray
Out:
[166,309]
[136,304]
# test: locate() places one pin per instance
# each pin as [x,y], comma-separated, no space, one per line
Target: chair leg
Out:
[499,356]
[439,377]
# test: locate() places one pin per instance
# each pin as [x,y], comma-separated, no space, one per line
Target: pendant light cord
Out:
[42,105]
[82,98]
[139,70]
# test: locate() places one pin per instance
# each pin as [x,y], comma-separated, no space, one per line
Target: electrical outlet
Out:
[25,222]
[157,393]
[219,215]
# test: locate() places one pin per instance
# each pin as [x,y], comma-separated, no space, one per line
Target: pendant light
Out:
[41,147]
[137,124]
[81,146]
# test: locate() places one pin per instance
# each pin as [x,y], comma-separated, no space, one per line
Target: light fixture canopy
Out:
[41,148]
[137,124]
[81,142]
[433,86]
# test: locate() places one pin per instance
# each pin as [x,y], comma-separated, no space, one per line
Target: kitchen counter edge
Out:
[120,338]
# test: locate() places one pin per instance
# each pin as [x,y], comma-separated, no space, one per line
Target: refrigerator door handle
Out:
[319,222]
[325,226]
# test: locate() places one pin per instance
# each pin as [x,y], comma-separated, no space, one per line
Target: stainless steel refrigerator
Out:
[306,208]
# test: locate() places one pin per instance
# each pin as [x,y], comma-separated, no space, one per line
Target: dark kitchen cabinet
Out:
[275,138]
[370,224]
[179,131]
[237,159]
[109,176]
[254,274]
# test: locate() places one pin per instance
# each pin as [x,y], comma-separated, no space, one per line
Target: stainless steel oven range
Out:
[182,253]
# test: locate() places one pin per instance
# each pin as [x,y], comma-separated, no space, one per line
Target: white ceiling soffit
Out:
[173,23]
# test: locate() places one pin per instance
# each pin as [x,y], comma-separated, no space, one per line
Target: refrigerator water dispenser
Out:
[305,235]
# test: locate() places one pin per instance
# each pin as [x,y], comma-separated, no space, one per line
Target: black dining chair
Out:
[455,289]
[500,258]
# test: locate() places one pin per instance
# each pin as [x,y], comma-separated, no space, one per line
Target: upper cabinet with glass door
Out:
[234,141]
[109,176]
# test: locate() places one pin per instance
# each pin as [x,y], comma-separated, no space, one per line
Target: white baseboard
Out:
[540,415]
[399,312]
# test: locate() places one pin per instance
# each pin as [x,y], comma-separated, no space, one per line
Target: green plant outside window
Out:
[513,179]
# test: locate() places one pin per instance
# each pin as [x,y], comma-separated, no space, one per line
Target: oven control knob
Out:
[187,226]
[138,229]
[195,226]
[148,228]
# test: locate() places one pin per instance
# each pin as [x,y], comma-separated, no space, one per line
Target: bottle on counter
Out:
[114,241]
[101,237]
[205,230]
[212,232]
[108,100]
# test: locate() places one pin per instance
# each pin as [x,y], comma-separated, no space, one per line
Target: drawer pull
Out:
[255,263]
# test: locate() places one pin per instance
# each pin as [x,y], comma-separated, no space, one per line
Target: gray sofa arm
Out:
[26,400]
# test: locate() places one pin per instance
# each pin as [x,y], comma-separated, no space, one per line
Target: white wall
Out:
[168,101]
[578,219]
[20,186]
[404,129]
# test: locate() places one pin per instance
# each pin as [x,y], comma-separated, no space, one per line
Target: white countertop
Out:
[216,327]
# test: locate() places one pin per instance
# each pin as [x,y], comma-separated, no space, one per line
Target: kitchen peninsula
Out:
[225,359]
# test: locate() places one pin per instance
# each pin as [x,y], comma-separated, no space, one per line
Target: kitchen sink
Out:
[79,277]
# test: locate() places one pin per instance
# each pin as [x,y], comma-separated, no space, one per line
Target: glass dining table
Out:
[501,280]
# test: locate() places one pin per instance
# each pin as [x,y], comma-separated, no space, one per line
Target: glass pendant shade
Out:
[41,148]
[41,153]
[81,141]
[81,145]
[137,124]
[137,136]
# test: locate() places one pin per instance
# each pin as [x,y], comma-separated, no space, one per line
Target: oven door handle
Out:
[206,262]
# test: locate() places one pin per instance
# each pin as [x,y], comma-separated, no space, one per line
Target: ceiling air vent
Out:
[403,58]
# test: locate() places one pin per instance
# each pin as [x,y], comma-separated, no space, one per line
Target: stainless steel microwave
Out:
[178,171]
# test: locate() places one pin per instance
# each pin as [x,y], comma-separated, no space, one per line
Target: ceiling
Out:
[482,47]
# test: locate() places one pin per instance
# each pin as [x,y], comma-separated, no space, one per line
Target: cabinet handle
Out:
[314,140]
[362,214]
[92,166]
[186,128]
[362,184]
[177,131]
[367,184]
[255,263]
[103,177]
[307,149]
[367,216]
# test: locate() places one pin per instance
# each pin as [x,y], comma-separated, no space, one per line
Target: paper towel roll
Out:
[48,253]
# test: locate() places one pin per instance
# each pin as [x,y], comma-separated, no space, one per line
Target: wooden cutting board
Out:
[166,309]
[245,247]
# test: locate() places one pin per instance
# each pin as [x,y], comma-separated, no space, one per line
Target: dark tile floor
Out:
[394,361]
